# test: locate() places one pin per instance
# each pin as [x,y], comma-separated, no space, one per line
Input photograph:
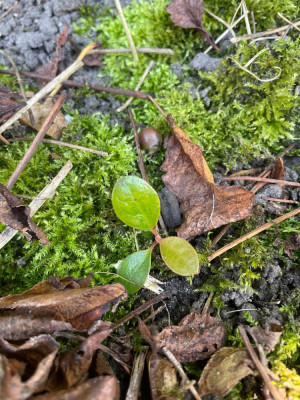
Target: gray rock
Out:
[271,190]
[238,296]
[60,7]
[295,194]
[203,95]
[204,62]
[271,272]
[176,69]
[169,208]
[290,175]
[48,26]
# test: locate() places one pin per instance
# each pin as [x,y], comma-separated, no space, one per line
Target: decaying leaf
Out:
[204,205]
[163,378]
[292,243]
[267,339]
[278,169]
[40,113]
[188,14]
[51,68]
[10,103]
[102,387]
[15,214]
[196,337]
[52,309]
[224,370]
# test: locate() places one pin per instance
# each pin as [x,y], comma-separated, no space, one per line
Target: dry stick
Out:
[245,172]
[257,179]
[245,12]
[8,11]
[228,26]
[45,194]
[279,200]
[37,140]
[167,52]
[253,233]
[158,107]
[207,303]
[20,82]
[39,95]
[97,88]
[180,370]
[273,389]
[136,375]
[146,72]
[142,167]
[72,146]
[127,31]
[290,22]
[253,22]
[260,34]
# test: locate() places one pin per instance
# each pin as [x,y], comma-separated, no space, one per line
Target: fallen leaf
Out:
[291,244]
[204,205]
[188,14]
[93,60]
[267,339]
[100,388]
[51,309]
[15,214]
[164,378]
[196,337]
[51,68]
[278,169]
[10,103]
[40,113]
[224,370]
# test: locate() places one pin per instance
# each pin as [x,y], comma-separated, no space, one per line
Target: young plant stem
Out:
[261,369]
[37,140]
[265,180]
[97,88]
[253,233]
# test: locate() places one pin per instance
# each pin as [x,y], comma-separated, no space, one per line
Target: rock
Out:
[169,208]
[238,296]
[60,7]
[251,309]
[270,190]
[290,175]
[176,69]
[203,95]
[204,62]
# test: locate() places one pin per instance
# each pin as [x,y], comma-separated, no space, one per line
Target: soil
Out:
[29,34]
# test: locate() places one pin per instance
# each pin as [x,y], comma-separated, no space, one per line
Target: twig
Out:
[97,88]
[136,375]
[37,140]
[158,107]
[228,26]
[142,166]
[72,146]
[207,303]
[259,185]
[253,22]
[2,16]
[127,31]
[290,22]
[167,52]
[245,172]
[260,34]
[146,72]
[257,179]
[115,356]
[279,200]
[245,12]
[39,95]
[273,389]
[181,372]
[37,203]
[253,233]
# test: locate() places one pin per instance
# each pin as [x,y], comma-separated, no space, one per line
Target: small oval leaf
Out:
[179,256]
[136,203]
[135,269]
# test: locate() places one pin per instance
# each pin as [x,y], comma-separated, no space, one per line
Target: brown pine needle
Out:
[253,233]
[257,179]
[279,200]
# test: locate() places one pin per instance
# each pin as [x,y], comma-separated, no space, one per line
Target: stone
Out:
[170,209]
[203,62]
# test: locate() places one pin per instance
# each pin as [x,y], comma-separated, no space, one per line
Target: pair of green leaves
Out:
[137,204]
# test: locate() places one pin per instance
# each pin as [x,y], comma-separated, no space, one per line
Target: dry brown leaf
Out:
[224,370]
[164,378]
[188,14]
[204,205]
[196,337]
[292,243]
[93,60]
[278,169]
[40,113]
[15,214]
[52,309]
[100,388]
[10,103]
[267,339]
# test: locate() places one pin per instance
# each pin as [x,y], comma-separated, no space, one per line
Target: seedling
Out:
[137,204]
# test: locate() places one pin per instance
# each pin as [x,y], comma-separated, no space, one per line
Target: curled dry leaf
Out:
[224,370]
[34,312]
[292,243]
[188,14]
[196,337]
[204,205]
[163,378]
[100,388]
[278,169]
[15,214]
[268,339]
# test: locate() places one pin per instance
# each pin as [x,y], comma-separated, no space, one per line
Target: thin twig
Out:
[181,372]
[207,303]
[133,391]
[72,146]
[39,95]
[253,22]
[228,26]
[167,52]
[257,179]
[37,203]
[97,88]
[158,107]
[245,12]
[278,200]
[273,389]
[260,34]
[2,16]
[253,233]
[37,140]
[288,21]
[127,31]
[245,172]
[143,77]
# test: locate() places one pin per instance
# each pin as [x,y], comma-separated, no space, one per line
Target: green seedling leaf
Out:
[135,269]
[179,256]
[136,203]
